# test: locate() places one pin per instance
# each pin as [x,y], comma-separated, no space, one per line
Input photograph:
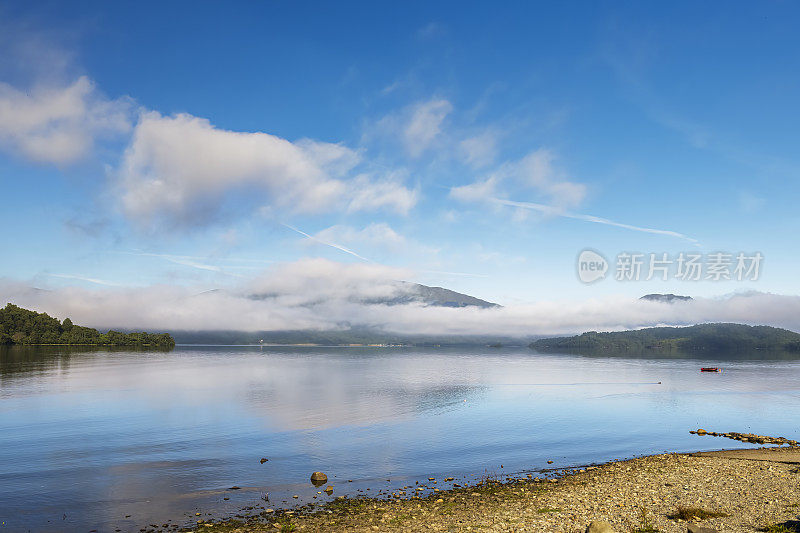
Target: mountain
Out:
[430,296]
[392,293]
[665,298]
[398,293]
[699,339]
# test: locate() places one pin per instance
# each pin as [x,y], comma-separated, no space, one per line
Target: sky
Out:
[153,152]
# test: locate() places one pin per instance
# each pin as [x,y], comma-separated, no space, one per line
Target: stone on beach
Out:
[694,528]
[600,526]
[319,478]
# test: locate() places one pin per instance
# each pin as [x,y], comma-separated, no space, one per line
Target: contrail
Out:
[550,210]
[186,260]
[326,243]
[81,278]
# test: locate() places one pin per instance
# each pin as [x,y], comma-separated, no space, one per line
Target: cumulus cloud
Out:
[58,124]
[176,164]
[180,168]
[318,294]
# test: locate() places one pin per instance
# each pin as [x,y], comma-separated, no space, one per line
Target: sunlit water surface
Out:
[118,440]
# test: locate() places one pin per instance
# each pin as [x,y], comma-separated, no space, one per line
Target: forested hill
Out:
[702,338]
[21,326]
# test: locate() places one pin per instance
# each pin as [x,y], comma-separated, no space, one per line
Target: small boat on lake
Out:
[710,369]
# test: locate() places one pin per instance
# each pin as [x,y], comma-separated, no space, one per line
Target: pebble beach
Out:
[727,491]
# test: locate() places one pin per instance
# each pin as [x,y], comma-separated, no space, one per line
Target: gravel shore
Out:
[737,490]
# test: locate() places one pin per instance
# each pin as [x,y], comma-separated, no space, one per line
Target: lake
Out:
[100,439]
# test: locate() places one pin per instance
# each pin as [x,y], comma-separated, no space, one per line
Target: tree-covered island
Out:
[21,326]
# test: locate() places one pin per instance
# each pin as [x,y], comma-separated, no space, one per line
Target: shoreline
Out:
[739,490]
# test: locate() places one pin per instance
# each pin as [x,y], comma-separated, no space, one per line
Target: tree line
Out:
[701,338]
[22,326]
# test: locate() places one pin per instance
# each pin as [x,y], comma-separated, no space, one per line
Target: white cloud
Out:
[480,150]
[321,294]
[59,125]
[424,125]
[476,192]
[177,165]
[416,127]
[324,242]
[368,195]
[535,172]
[182,169]
[375,234]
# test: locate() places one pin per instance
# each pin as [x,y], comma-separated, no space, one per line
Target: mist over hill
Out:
[404,293]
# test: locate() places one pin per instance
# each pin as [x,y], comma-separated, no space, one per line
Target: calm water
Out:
[87,438]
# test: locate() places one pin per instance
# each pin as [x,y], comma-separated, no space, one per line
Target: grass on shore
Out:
[790,526]
[645,525]
[695,513]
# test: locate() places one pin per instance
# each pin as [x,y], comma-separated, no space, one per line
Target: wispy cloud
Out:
[198,262]
[554,211]
[326,243]
[84,278]
[537,172]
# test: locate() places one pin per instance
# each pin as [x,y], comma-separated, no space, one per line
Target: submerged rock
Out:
[319,478]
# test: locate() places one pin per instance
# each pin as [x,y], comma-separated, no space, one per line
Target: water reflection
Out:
[100,434]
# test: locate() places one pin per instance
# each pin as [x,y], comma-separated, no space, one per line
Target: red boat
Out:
[710,369]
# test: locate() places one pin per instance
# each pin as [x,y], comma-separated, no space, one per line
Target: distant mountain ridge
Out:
[405,293]
[433,296]
[665,298]
[699,339]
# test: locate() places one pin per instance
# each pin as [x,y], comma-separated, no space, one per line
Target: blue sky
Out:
[205,145]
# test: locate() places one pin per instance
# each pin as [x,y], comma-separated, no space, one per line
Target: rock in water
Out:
[318,478]
[600,526]
[264,460]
